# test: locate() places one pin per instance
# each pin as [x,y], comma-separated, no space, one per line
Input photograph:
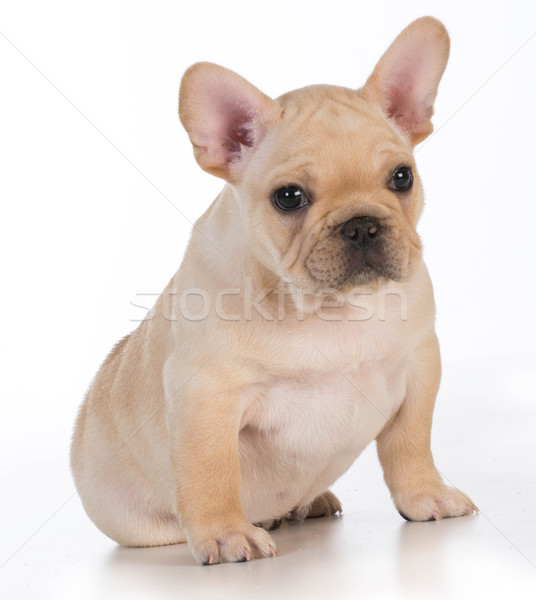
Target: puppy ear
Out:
[404,82]
[225,116]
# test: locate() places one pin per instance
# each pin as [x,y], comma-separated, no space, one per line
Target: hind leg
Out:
[324,505]
[123,506]
[150,530]
[131,525]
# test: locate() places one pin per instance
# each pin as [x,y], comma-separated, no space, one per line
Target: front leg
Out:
[404,448]
[204,428]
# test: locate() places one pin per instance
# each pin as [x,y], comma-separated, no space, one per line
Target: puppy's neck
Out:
[220,246]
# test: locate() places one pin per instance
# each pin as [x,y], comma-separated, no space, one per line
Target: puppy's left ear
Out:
[225,116]
[405,80]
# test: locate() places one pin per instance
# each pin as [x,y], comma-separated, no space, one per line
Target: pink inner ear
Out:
[407,99]
[232,129]
[238,129]
[402,107]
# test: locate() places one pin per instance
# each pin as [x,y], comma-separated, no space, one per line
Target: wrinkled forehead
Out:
[330,136]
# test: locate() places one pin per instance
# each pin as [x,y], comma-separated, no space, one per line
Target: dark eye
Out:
[401,179]
[290,197]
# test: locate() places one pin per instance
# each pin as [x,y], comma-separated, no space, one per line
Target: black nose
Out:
[361,231]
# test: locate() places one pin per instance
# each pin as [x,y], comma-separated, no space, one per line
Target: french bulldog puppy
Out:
[299,327]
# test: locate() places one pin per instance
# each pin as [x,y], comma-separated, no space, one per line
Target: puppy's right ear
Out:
[225,116]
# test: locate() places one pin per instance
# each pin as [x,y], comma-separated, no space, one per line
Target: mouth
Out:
[345,267]
[366,275]
[348,277]
[375,264]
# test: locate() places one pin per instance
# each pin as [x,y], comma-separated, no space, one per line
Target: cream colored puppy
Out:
[299,328]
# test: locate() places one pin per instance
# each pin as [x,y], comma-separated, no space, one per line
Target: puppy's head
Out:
[324,176]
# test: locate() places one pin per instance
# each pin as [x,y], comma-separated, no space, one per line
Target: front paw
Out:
[433,504]
[231,543]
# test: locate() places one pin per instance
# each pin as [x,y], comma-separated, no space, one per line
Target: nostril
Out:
[351,232]
[361,230]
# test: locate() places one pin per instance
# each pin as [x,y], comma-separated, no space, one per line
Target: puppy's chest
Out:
[325,413]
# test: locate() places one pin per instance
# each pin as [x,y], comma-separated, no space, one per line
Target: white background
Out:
[99,187]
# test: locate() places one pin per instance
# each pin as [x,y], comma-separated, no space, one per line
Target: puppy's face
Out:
[324,176]
[333,197]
